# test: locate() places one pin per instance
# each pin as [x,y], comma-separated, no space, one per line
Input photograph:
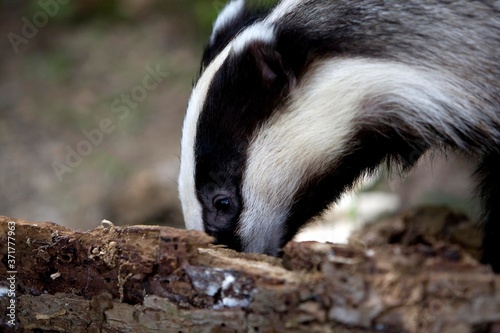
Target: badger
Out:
[294,104]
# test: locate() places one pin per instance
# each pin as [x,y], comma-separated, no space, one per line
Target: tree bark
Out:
[159,279]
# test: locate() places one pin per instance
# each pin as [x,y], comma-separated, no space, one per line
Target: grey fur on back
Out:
[456,38]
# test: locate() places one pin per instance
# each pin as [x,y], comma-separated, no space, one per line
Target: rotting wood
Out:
[158,279]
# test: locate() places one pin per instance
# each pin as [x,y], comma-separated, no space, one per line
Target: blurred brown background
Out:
[92,96]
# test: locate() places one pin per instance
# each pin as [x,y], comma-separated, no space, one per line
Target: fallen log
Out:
[159,279]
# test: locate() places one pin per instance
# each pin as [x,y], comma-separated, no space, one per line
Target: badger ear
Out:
[270,65]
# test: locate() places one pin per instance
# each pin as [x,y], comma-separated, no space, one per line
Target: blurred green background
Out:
[92,97]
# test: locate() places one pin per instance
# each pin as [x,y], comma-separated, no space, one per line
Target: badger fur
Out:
[295,104]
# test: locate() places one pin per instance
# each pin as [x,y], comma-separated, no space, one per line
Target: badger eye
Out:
[222,203]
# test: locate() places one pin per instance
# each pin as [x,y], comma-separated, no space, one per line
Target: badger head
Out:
[255,164]
[267,144]
[242,81]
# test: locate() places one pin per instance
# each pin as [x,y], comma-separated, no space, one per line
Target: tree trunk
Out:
[159,279]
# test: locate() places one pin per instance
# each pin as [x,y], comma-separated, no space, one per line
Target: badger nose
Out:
[227,239]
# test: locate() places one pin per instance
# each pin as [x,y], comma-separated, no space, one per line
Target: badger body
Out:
[296,103]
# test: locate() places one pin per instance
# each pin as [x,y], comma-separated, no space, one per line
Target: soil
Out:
[160,279]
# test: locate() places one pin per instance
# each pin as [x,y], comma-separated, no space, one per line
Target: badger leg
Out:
[489,188]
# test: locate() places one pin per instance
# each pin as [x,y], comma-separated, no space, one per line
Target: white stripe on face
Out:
[229,13]
[259,31]
[293,145]
[191,208]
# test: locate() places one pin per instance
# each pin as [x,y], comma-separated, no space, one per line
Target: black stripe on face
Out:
[243,94]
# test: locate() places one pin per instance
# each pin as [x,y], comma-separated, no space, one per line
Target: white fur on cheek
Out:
[314,130]
[290,147]
[191,207]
